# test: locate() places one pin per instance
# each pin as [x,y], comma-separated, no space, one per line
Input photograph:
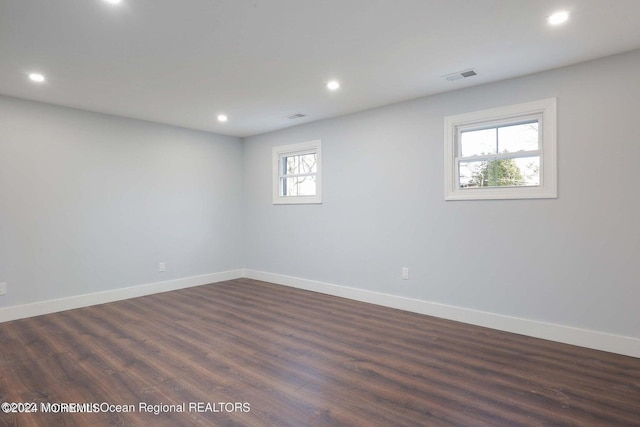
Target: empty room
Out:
[319,213]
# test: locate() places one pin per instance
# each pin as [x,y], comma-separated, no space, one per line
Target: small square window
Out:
[503,153]
[296,173]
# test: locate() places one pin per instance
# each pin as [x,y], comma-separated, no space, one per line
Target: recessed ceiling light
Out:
[36,77]
[558,18]
[113,1]
[222,118]
[333,85]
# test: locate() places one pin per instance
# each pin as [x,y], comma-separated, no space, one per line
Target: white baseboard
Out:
[627,346]
[79,301]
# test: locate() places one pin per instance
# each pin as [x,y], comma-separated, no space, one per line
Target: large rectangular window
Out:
[505,153]
[296,173]
[502,155]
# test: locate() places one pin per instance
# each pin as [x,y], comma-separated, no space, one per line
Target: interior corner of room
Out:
[92,203]
[343,212]
[98,207]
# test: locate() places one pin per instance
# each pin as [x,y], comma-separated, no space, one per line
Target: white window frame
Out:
[544,109]
[292,150]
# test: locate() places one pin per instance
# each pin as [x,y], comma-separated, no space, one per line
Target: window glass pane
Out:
[523,171]
[521,137]
[529,169]
[307,186]
[471,175]
[478,142]
[298,186]
[504,173]
[290,165]
[289,186]
[308,163]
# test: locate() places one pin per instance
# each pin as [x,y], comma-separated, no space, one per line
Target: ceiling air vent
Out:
[296,116]
[460,75]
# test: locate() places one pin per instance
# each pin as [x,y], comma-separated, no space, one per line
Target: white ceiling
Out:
[182,62]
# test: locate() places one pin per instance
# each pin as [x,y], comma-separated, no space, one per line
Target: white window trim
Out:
[548,188]
[297,149]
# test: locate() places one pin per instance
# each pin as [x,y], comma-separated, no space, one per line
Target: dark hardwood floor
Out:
[289,357]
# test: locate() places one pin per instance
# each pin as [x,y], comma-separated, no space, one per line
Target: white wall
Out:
[569,261]
[91,202]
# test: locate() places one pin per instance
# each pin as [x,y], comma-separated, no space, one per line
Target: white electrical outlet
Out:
[162,266]
[405,273]
[3,288]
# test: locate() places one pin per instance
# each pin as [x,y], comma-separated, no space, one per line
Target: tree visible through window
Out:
[496,173]
[299,175]
[502,153]
[296,173]
[480,149]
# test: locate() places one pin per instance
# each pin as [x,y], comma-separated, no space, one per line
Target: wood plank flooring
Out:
[298,358]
